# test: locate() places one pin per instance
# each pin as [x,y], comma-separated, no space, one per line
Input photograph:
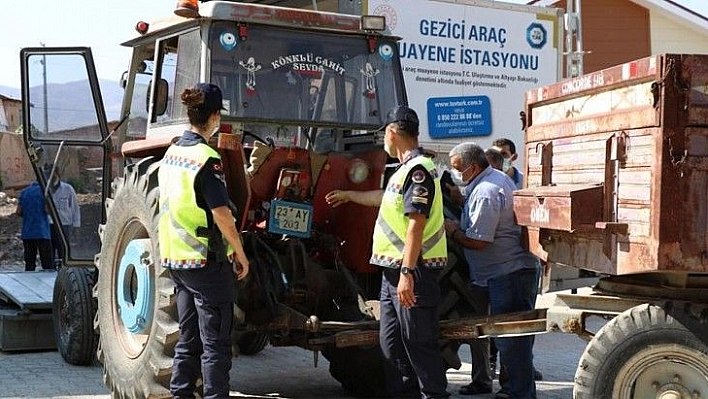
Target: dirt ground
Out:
[11,249]
[10,225]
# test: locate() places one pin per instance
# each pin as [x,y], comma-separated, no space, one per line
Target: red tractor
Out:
[303,91]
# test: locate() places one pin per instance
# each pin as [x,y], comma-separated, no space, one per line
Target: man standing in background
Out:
[67,205]
[508,151]
[35,227]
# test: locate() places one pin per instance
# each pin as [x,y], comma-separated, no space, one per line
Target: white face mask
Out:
[506,165]
[456,176]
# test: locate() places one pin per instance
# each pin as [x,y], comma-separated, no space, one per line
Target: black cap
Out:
[402,113]
[212,96]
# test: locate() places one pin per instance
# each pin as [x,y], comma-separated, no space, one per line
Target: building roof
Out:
[2,97]
[669,8]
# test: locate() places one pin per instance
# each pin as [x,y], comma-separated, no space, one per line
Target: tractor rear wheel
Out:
[647,351]
[360,370]
[457,300]
[251,343]
[136,309]
[73,311]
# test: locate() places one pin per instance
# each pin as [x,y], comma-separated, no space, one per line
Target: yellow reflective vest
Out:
[392,223]
[180,216]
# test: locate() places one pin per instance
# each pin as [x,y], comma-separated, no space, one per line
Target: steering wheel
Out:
[267,141]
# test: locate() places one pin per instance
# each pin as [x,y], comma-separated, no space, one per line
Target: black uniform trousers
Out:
[205,310]
[409,337]
[44,247]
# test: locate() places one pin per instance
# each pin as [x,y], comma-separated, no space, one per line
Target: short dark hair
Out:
[407,128]
[505,142]
[494,157]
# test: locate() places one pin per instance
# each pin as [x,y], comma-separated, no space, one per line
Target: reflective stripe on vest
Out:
[180,247]
[392,224]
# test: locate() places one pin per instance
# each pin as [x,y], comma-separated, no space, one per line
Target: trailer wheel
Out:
[136,311]
[251,343]
[73,310]
[647,351]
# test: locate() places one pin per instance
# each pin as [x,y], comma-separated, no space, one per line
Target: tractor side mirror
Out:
[161,96]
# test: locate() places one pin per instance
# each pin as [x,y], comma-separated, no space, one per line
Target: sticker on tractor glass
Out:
[370,73]
[251,67]
[459,116]
[308,64]
[386,52]
[228,41]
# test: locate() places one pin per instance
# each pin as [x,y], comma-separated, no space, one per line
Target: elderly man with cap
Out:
[410,246]
[198,241]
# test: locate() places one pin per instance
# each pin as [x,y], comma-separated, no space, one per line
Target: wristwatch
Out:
[406,270]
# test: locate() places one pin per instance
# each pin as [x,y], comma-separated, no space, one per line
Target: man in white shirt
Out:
[67,205]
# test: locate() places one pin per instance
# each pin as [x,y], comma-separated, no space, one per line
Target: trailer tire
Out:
[646,351]
[73,310]
[251,343]
[136,308]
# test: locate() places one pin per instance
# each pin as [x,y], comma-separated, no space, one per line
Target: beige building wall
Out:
[669,36]
[15,168]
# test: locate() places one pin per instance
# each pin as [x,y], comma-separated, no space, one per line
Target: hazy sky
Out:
[101,25]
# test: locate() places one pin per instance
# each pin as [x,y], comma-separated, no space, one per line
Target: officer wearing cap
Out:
[198,239]
[409,244]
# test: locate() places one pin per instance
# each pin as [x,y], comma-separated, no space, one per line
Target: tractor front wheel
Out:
[136,308]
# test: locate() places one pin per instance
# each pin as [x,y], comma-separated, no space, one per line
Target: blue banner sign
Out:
[459,116]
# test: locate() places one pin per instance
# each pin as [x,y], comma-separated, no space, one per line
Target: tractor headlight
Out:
[358,171]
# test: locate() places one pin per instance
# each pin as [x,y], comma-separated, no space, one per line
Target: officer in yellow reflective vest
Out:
[198,241]
[409,244]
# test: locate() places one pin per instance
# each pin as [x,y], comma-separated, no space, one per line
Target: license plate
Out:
[291,218]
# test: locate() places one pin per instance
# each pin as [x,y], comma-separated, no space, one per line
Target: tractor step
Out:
[26,311]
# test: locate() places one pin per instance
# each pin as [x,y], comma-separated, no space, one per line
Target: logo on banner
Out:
[390,14]
[536,35]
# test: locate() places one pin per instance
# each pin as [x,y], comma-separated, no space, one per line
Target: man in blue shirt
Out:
[498,263]
[508,151]
[35,227]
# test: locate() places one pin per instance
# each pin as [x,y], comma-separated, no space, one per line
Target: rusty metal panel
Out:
[641,129]
[597,81]
[559,207]
[694,77]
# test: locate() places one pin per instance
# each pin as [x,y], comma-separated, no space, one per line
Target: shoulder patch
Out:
[418,176]
[420,191]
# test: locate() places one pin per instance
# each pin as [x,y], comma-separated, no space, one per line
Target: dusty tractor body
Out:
[304,93]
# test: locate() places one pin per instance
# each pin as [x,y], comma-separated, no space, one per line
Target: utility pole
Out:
[44,91]
[573,39]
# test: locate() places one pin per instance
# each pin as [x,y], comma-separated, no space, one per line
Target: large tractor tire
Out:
[360,370]
[136,309]
[73,311]
[251,343]
[646,352]
[457,300]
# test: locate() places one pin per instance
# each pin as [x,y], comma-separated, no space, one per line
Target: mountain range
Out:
[67,107]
